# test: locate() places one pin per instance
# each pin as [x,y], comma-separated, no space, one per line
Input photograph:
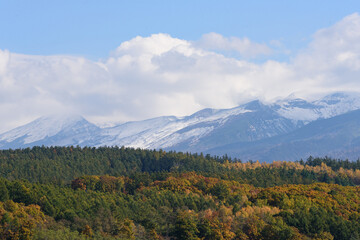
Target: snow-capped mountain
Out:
[202,131]
[327,107]
[256,121]
[158,132]
[336,137]
[57,130]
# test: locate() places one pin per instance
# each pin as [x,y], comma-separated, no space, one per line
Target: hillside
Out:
[122,193]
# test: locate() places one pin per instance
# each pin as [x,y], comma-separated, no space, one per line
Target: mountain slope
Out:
[257,122]
[51,130]
[327,107]
[158,132]
[253,130]
[338,137]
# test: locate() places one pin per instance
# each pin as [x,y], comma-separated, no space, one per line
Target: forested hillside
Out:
[125,193]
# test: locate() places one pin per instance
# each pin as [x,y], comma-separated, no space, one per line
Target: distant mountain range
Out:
[288,129]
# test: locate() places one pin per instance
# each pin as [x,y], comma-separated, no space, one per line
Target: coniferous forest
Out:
[126,193]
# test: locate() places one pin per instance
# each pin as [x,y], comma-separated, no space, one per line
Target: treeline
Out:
[60,165]
[335,164]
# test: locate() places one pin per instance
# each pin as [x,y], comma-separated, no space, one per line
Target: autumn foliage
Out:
[142,194]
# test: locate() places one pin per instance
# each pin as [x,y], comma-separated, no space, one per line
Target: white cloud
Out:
[161,75]
[156,44]
[243,46]
[4,60]
[332,60]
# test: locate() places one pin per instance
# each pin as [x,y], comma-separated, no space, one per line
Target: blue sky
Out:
[116,61]
[93,28]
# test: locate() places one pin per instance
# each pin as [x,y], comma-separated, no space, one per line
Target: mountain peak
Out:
[254,105]
[61,118]
[42,127]
[204,113]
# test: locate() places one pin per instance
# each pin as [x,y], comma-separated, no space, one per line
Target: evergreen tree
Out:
[4,193]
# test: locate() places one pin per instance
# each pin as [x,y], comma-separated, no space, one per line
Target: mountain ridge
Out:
[207,130]
[337,137]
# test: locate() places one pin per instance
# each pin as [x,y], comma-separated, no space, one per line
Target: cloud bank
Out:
[161,75]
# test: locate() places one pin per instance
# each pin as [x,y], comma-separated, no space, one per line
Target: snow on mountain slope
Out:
[198,126]
[297,110]
[335,137]
[208,127]
[132,128]
[40,128]
[338,103]
[331,105]
[258,122]
[151,133]
[69,127]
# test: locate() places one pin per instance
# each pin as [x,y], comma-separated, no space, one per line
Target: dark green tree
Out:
[4,193]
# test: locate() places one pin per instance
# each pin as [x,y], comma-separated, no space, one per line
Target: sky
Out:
[117,61]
